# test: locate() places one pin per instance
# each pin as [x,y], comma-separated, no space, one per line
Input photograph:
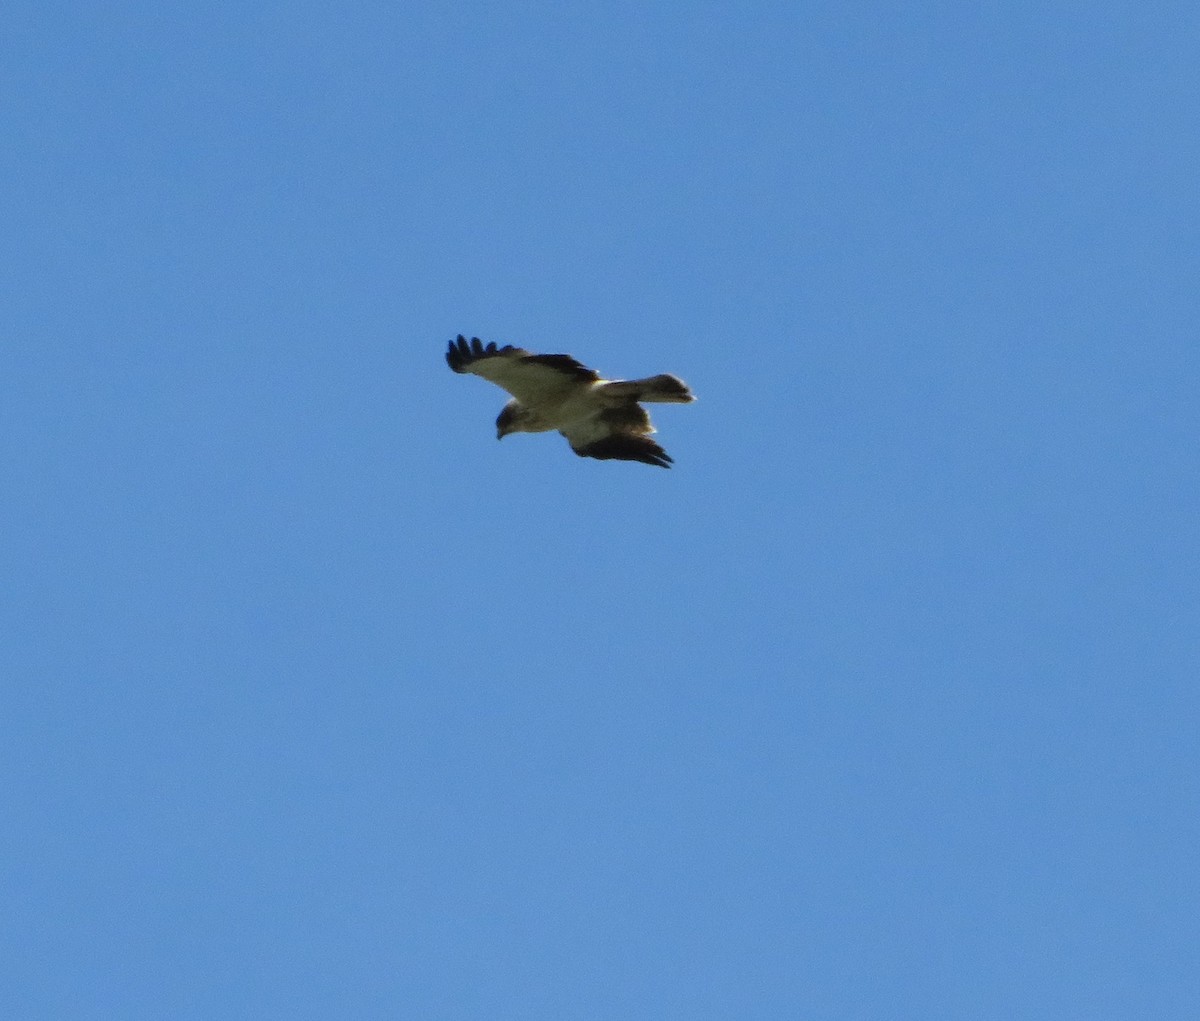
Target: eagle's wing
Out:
[621,433]
[530,378]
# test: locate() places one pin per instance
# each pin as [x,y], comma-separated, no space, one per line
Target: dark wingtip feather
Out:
[627,448]
[463,352]
[458,354]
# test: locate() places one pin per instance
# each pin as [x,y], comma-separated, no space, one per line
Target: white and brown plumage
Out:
[600,418]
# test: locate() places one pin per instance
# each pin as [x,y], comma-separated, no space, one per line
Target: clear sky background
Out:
[321,703]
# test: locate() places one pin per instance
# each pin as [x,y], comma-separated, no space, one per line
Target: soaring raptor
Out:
[600,418]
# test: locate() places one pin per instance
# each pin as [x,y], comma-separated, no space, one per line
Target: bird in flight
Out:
[600,418]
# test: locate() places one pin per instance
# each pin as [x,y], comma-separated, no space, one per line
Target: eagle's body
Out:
[600,418]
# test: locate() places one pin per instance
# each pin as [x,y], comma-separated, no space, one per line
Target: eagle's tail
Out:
[664,389]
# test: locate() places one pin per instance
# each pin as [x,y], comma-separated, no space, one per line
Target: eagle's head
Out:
[517,418]
[508,420]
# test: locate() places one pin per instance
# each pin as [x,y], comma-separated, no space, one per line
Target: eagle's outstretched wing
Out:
[621,433]
[531,379]
[627,448]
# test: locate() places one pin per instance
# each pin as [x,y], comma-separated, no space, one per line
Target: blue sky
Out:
[319,702]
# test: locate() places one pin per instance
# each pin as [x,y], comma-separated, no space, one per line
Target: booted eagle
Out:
[600,418]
